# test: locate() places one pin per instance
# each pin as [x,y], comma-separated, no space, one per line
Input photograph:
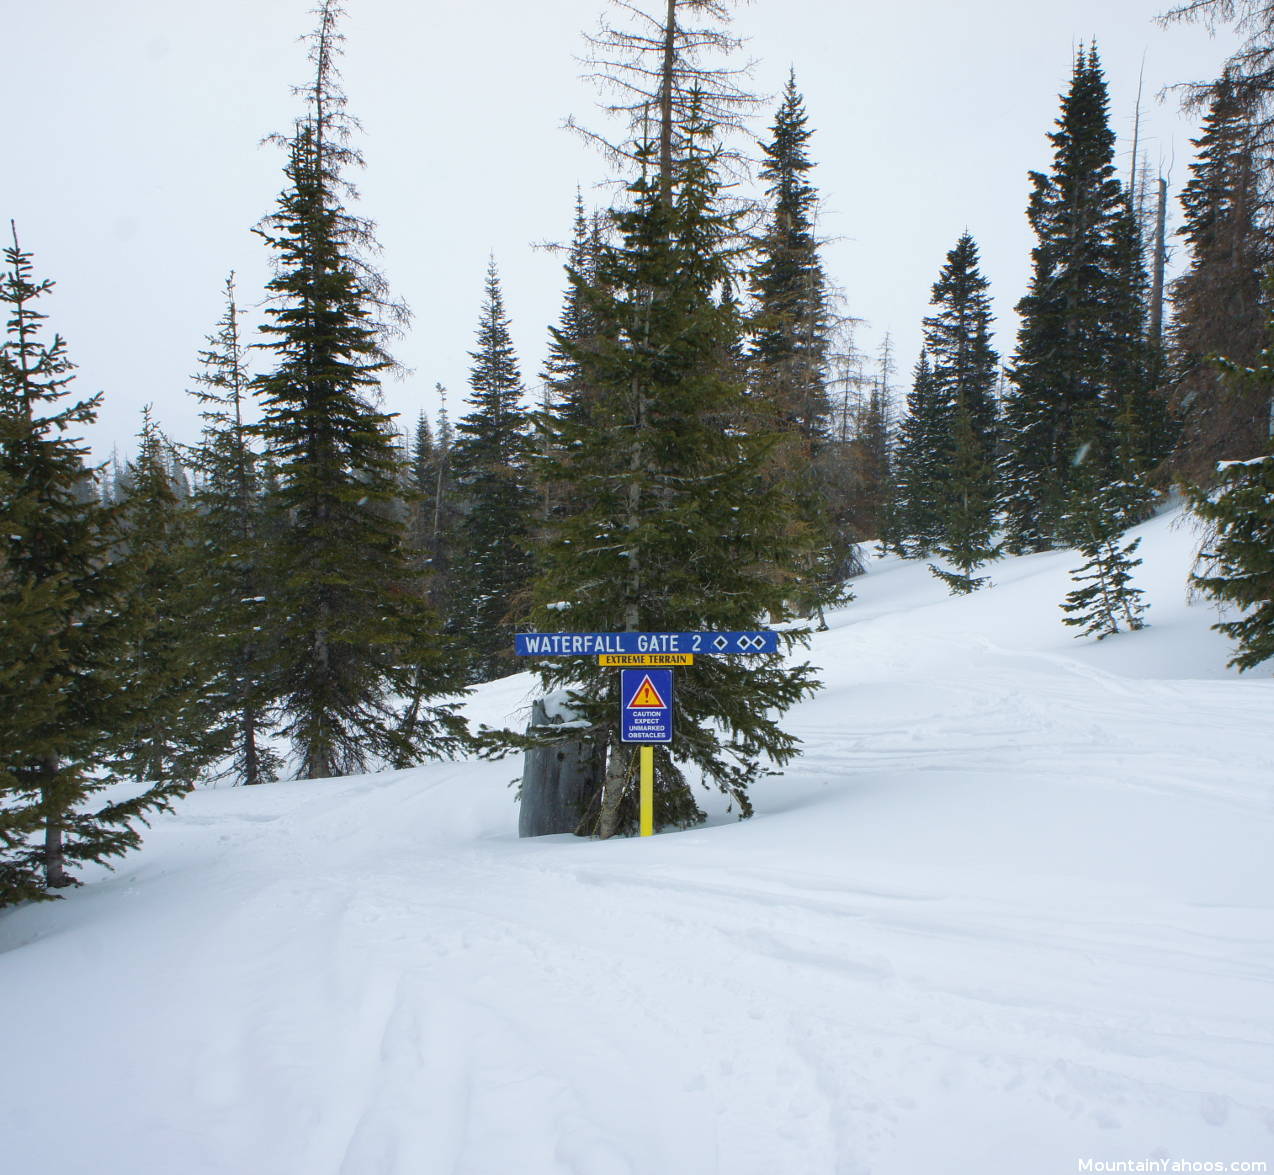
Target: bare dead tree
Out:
[663,65]
[1250,69]
[1158,261]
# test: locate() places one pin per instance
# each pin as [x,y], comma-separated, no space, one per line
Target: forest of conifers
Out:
[309,587]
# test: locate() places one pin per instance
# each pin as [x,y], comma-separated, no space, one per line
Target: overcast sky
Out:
[135,172]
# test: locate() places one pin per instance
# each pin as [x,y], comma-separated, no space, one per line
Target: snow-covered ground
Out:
[1012,911]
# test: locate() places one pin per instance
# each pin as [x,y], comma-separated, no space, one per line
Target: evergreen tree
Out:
[789,347]
[63,623]
[423,484]
[1081,359]
[164,668]
[869,494]
[353,627]
[28,613]
[491,463]
[1094,522]
[230,555]
[1249,70]
[564,389]
[791,320]
[968,518]
[435,508]
[561,373]
[1134,404]
[924,456]
[1239,558]
[965,368]
[958,341]
[669,528]
[1219,305]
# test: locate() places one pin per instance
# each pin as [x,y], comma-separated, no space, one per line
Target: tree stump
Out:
[557,778]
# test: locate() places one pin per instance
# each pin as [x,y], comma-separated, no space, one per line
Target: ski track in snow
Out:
[1012,909]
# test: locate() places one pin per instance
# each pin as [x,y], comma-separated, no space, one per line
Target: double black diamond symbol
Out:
[751,643]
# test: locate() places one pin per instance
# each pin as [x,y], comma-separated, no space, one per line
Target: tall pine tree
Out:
[1080,366]
[787,358]
[965,368]
[491,462]
[791,321]
[673,530]
[355,632]
[958,340]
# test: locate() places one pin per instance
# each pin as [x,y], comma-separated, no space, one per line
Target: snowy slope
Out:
[1011,911]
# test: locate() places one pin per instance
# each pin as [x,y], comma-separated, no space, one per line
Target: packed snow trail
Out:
[1011,911]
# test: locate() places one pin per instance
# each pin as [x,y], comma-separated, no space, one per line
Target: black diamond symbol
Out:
[720,643]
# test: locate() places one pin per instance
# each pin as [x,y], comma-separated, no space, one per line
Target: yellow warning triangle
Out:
[647,697]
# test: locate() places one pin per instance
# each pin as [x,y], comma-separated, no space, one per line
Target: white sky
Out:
[134,171]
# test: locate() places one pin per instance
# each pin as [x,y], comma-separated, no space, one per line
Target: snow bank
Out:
[1010,912]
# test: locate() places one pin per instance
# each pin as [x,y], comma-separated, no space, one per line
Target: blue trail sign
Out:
[586,644]
[645,698]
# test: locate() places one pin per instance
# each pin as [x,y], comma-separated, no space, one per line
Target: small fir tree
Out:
[1094,522]
[969,513]
[923,458]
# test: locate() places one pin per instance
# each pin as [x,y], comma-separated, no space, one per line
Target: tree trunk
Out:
[251,761]
[613,791]
[55,874]
[1157,266]
[665,104]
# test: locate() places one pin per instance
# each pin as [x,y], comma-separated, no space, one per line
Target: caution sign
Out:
[645,696]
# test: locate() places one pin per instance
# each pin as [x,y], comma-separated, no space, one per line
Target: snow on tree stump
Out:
[557,778]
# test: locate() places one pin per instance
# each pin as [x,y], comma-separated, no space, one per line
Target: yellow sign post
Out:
[647,790]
